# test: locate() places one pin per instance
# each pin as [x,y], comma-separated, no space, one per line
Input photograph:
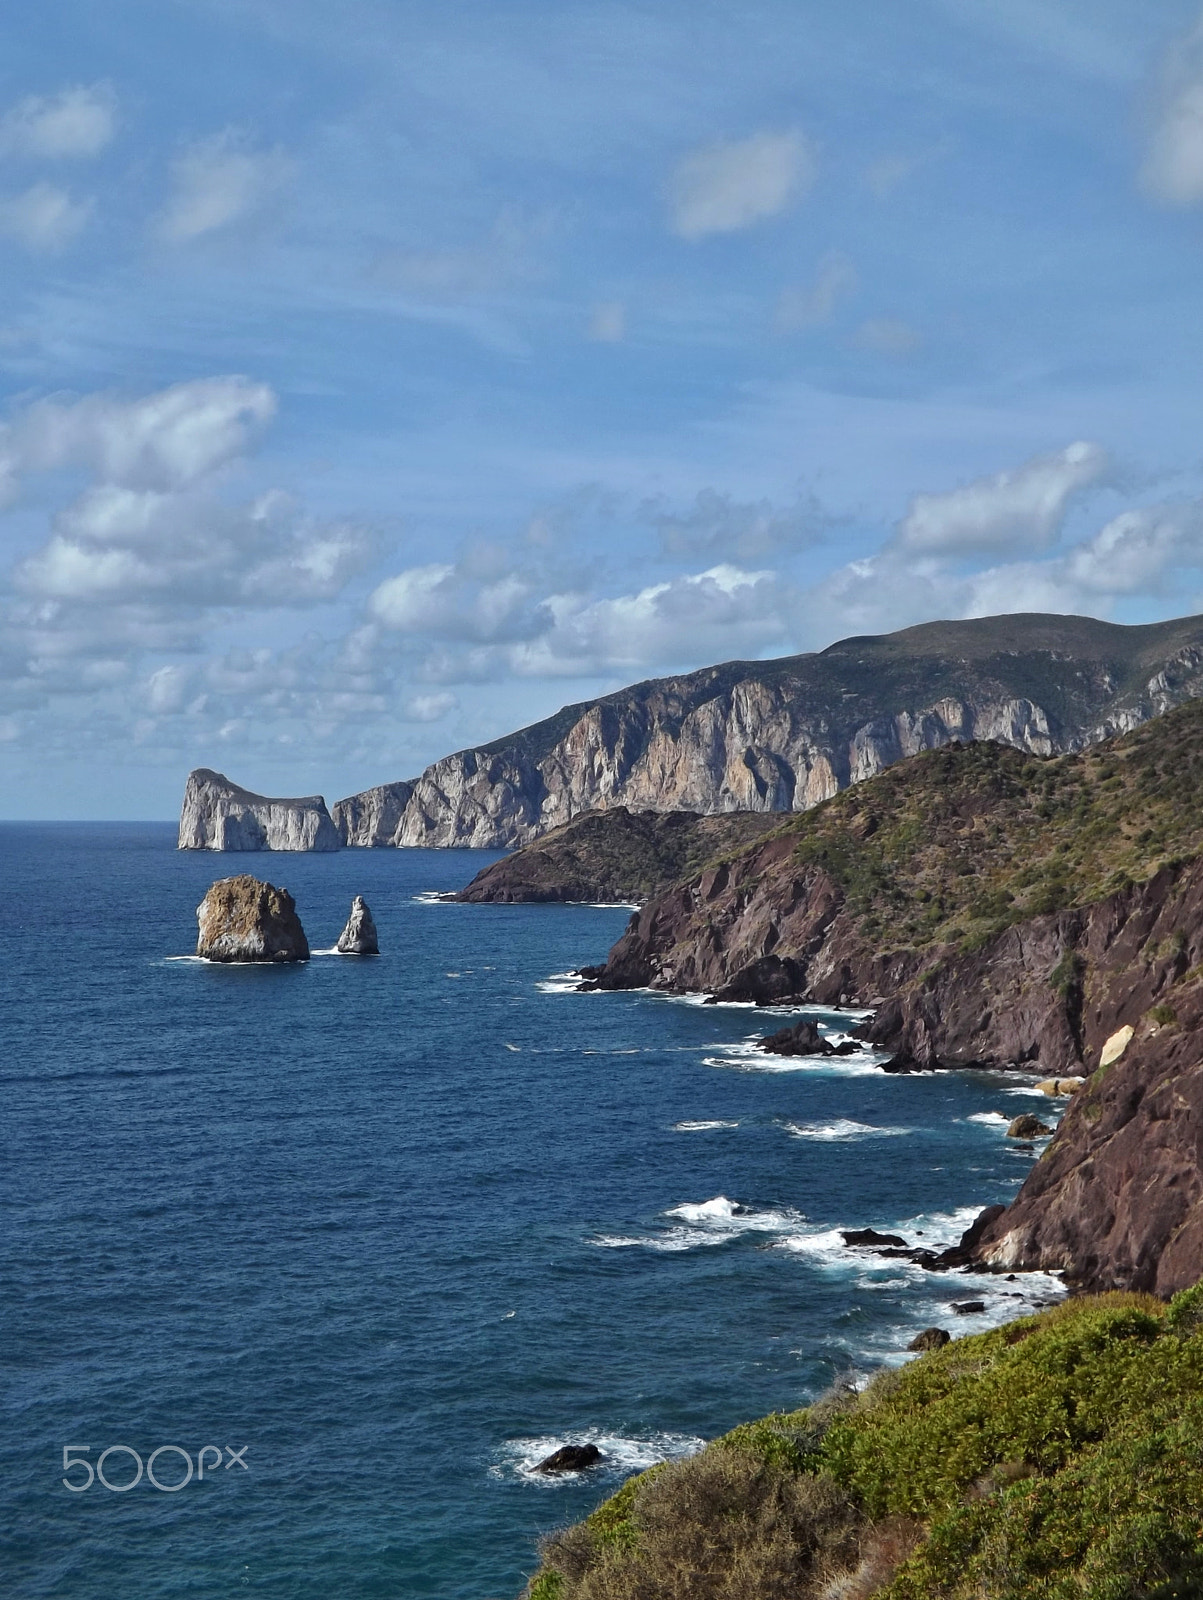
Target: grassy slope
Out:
[1057,1458]
[955,844]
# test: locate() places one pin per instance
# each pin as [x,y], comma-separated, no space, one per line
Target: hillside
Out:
[785,735]
[1055,1458]
[616,855]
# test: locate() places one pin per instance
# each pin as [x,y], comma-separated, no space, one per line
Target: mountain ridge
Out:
[785,734]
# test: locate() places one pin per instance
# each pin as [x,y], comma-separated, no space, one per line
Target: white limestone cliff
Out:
[219,815]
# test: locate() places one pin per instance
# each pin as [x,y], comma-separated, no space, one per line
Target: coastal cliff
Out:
[997,910]
[219,815]
[785,735]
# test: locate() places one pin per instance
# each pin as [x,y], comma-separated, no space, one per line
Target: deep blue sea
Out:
[393,1229]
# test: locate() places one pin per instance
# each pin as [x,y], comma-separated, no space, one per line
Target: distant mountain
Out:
[783,735]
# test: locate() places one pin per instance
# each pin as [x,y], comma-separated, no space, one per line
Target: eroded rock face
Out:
[1117,1200]
[219,815]
[359,937]
[373,817]
[785,735]
[244,919]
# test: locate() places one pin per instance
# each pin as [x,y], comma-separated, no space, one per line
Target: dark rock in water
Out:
[242,919]
[871,1236]
[1027,1127]
[930,1339]
[359,938]
[803,1039]
[968,1308]
[570,1458]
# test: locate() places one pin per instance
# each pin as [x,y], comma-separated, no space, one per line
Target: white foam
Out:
[746,1056]
[993,1119]
[701,1127]
[433,897]
[841,1129]
[704,1224]
[622,1454]
[559,983]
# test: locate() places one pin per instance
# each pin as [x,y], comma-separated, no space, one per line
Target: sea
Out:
[305,1268]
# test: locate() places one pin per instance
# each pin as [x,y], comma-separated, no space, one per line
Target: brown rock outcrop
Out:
[243,919]
[1116,1202]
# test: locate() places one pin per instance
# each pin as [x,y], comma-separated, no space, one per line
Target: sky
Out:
[378,378]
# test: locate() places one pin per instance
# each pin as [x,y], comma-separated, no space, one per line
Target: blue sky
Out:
[380,377]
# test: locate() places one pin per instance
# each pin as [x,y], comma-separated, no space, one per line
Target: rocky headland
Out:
[997,910]
[244,919]
[613,856]
[219,815]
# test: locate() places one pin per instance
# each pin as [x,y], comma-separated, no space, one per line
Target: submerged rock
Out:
[570,1458]
[359,938]
[968,1308]
[243,919]
[930,1339]
[852,1236]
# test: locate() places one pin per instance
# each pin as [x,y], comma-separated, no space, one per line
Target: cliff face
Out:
[218,815]
[373,817]
[785,735]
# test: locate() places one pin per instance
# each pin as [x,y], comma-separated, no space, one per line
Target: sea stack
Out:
[359,938]
[220,815]
[242,919]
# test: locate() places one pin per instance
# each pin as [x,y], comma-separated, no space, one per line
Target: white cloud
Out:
[608,324]
[164,440]
[702,616]
[725,187]
[76,122]
[1173,167]
[1022,509]
[429,707]
[814,304]
[888,336]
[219,182]
[441,600]
[44,218]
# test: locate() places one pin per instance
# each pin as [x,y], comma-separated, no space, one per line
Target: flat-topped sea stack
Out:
[244,919]
[359,937]
[220,815]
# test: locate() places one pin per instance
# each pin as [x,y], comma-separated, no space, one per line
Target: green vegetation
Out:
[956,844]
[1057,1458]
